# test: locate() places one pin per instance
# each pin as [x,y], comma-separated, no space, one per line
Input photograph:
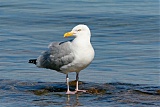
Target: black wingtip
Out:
[33,61]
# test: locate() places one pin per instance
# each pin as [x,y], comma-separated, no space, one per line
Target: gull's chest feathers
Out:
[84,53]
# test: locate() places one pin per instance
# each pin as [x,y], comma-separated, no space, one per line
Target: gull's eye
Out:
[79,30]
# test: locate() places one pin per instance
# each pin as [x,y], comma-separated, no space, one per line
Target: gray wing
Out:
[58,55]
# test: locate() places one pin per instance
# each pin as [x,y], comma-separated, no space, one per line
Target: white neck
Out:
[82,40]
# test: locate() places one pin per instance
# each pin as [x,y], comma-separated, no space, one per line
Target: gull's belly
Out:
[81,61]
[75,66]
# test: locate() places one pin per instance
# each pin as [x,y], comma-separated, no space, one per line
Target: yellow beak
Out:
[68,34]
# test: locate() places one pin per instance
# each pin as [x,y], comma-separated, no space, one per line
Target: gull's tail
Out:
[33,61]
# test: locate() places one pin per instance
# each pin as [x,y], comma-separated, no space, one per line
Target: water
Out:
[125,36]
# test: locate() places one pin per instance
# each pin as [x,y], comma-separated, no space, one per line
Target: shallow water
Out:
[125,36]
[50,94]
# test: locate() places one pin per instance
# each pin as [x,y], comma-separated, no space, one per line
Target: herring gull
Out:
[68,56]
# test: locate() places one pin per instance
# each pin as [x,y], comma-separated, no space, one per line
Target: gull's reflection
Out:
[72,100]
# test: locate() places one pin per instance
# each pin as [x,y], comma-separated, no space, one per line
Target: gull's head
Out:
[79,30]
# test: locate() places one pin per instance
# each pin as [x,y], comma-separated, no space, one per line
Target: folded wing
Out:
[57,56]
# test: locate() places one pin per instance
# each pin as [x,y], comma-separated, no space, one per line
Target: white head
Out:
[79,30]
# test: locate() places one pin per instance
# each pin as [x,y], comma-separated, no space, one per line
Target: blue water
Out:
[125,36]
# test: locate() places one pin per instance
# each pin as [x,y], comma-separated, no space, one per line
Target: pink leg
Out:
[77,78]
[68,91]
